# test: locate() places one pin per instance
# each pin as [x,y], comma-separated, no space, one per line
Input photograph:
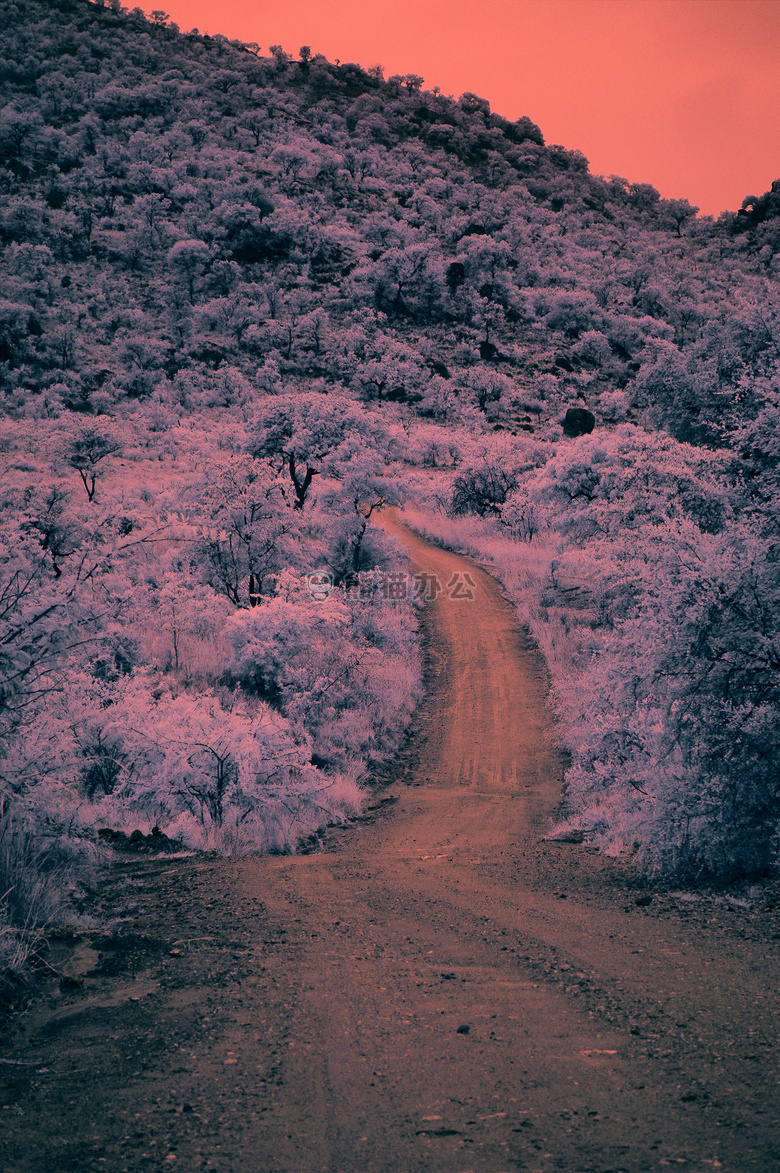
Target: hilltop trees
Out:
[211,188]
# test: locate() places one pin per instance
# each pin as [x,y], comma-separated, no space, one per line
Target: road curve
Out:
[473,999]
[439,990]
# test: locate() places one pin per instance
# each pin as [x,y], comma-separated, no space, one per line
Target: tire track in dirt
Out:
[439,991]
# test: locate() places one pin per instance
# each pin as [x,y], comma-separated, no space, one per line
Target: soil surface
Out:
[437,990]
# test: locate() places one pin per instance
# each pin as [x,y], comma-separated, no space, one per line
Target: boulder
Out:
[578,422]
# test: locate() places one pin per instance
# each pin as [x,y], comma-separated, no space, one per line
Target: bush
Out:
[490,473]
[344,672]
[39,865]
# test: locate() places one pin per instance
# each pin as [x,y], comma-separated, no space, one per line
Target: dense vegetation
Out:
[245,299]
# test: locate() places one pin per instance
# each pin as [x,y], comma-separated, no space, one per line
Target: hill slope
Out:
[177,204]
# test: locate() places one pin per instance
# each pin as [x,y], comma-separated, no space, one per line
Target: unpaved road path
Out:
[438,991]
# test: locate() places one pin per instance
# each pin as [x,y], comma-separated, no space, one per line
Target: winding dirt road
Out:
[438,991]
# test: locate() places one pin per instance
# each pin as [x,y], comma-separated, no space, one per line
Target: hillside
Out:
[176,205]
[246,301]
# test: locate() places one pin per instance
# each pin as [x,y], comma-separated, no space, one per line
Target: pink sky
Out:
[678,93]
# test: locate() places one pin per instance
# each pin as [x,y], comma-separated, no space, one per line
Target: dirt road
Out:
[438,991]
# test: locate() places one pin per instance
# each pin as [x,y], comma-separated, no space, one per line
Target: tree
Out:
[490,474]
[48,517]
[399,278]
[187,259]
[214,760]
[361,483]
[15,323]
[338,670]
[280,57]
[302,434]
[677,212]
[87,447]
[245,528]
[412,82]
[18,130]
[473,104]
[53,613]
[613,484]
[681,715]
